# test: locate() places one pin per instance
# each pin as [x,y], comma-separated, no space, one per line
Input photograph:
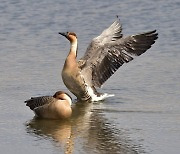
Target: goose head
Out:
[71,36]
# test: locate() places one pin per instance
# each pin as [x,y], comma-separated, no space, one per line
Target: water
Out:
[144,115]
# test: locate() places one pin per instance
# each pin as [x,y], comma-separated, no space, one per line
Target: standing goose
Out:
[57,106]
[105,54]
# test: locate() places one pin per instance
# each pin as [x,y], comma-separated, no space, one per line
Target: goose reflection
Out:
[56,130]
[87,130]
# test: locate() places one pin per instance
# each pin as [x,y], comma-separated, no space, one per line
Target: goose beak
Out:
[63,34]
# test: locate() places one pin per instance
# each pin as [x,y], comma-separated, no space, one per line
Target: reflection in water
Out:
[59,131]
[88,127]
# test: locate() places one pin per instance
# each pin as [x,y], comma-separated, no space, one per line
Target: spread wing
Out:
[35,102]
[101,62]
[110,34]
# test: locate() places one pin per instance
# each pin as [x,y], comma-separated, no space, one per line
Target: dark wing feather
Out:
[110,34]
[113,55]
[138,44]
[107,65]
[35,102]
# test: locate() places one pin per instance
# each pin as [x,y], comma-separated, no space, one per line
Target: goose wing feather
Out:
[110,34]
[35,102]
[109,57]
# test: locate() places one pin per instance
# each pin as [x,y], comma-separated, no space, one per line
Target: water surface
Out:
[144,115]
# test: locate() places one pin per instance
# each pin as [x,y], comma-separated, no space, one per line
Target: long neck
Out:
[71,58]
[73,49]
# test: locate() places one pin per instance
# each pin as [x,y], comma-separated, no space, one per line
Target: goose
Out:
[104,55]
[57,106]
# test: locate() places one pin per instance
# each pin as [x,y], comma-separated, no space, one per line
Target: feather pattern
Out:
[103,57]
[110,34]
[35,102]
[109,51]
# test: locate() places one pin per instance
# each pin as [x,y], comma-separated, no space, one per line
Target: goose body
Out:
[57,106]
[105,54]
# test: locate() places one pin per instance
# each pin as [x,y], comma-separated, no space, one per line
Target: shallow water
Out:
[144,115]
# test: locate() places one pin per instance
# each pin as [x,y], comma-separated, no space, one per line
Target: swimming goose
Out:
[57,106]
[105,54]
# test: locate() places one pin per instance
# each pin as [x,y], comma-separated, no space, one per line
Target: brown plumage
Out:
[57,106]
[105,54]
